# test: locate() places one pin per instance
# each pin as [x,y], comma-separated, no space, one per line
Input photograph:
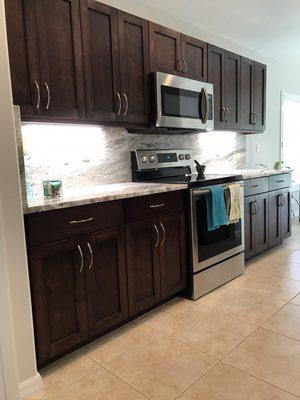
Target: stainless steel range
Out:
[216,256]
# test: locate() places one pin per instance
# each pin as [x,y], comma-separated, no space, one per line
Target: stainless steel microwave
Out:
[183,103]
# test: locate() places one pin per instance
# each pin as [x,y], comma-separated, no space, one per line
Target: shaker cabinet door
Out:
[260,79]
[142,241]
[194,56]
[285,214]
[60,52]
[106,280]
[249,226]
[23,55]
[247,93]
[58,295]
[261,223]
[134,68]
[233,66]
[101,61]
[274,218]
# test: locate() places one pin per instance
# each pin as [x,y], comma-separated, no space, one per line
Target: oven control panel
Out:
[152,159]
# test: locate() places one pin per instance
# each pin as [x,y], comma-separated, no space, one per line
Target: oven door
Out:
[183,103]
[212,247]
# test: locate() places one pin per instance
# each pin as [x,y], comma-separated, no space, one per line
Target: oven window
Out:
[180,102]
[213,243]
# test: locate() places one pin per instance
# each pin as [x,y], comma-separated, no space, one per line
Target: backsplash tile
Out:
[84,156]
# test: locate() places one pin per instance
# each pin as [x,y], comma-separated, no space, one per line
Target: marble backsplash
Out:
[84,156]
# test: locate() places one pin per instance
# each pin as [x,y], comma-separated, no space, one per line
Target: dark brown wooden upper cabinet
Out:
[165,50]
[259,108]
[232,91]
[247,93]
[60,52]
[194,58]
[224,74]
[101,61]
[216,62]
[23,55]
[134,68]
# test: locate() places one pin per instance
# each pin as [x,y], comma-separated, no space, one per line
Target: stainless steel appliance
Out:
[215,256]
[183,103]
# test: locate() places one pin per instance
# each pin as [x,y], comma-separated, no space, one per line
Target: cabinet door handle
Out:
[48,95]
[38,101]
[255,118]
[228,114]
[252,210]
[279,200]
[157,205]
[281,181]
[81,221]
[126,104]
[258,208]
[81,257]
[164,234]
[91,255]
[157,235]
[251,117]
[255,186]
[185,67]
[223,112]
[180,62]
[119,105]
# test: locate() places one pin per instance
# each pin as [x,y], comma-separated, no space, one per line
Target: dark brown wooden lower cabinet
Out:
[256,224]
[285,214]
[58,296]
[173,255]
[142,241]
[279,216]
[106,280]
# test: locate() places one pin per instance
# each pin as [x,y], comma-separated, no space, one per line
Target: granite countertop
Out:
[258,173]
[98,194]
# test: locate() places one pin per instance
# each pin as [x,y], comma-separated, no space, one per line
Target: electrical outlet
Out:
[258,148]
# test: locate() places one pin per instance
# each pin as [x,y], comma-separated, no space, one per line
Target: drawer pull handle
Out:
[81,221]
[164,233]
[157,205]
[157,235]
[281,181]
[81,257]
[254,186]
[91,255]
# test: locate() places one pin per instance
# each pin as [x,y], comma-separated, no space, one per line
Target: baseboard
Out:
[31,386]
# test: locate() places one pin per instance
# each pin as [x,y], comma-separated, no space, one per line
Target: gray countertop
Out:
[258,173]
[98,194]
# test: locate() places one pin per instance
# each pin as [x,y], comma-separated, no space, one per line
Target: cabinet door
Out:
[101,61]
[249,228]
[194,56]
[23,55]
[233,70]
[172,254]
[274,218]
[285,214]
[60,51]
[247,92]
[106,280]
[261,223]
[216,76]
[165,50]
[142,241]
[59,298]
[260,79]
[134,65]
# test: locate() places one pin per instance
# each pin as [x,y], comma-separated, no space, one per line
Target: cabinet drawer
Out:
[279,181]
[153,206]
[255,186]
[50,226]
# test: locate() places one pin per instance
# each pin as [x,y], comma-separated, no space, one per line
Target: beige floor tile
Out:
[161,367]
[296,300]
[213,333]
[271,357]
[286,322]
[280,268]
[99,385]
[293,257]
[278,287]
[163,316]
[64,372]
[245,305]
[223,382]
[113,344]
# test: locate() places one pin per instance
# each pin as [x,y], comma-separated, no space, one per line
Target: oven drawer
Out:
[279,181]
[51,226]
[153,206]
[256,186]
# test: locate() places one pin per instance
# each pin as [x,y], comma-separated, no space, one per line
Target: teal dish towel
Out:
[216,208]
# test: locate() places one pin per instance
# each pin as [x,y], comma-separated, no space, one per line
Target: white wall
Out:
[12,239]
[280,77]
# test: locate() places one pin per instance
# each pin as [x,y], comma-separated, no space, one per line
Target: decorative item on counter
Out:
[280,165]
[200,168]
[52,188]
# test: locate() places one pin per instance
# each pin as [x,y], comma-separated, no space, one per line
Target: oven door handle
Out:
[205,191]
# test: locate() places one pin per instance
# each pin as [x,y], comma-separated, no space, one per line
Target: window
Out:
[290,133]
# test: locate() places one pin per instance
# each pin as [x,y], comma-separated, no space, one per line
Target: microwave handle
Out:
[205,118]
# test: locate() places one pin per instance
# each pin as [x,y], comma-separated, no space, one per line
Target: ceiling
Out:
[270,27]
